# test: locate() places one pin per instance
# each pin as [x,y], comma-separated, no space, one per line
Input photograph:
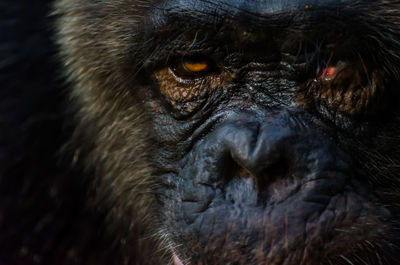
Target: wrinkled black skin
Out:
[308,167]
[307,178]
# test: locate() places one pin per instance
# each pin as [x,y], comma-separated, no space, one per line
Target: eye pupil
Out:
[196,67]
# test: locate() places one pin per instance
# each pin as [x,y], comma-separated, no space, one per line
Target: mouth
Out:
[342,226]
[177,260]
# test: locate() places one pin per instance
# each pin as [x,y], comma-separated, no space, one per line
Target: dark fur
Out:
[52,213]
[43,192]
[76,186]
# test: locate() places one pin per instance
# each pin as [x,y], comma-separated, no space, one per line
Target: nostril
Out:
[230,169]
[277,170]
[256,150]
[243,173]
[258,185]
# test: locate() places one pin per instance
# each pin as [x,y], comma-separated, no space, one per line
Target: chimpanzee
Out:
[197,132]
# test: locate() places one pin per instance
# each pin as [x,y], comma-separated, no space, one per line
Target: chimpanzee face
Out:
[264,114]
[273,124]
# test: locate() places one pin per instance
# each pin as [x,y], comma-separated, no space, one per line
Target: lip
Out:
[177,260]
[321,238]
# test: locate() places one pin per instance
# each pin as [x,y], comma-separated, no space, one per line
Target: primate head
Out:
[238,131]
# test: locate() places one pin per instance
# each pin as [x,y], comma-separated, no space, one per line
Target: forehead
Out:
[262,13]
[250,7]
[261,18]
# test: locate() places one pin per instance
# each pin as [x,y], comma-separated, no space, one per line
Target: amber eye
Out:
[329,73]
[194,67]
[346,87]
[342,75]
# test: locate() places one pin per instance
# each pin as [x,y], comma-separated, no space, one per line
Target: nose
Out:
[263,149]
